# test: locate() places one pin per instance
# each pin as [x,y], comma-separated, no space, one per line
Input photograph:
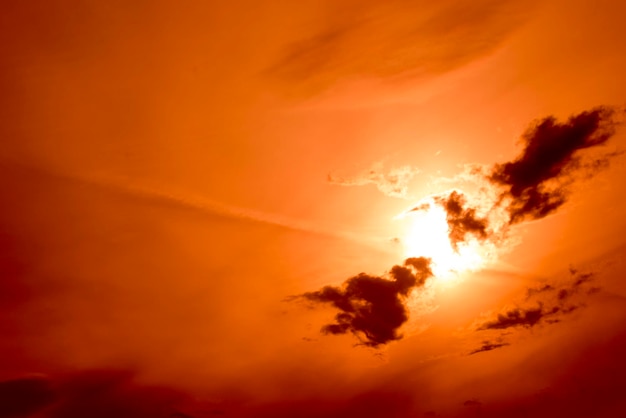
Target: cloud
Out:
[24,396]
[377,403]
[373,307]
[533,185]
[372,39]
[90,393]
[165,196]
[552,303]
[394,183]
[473,403]
[420,207]
[536,183]
[462,220]
[539,181]
[588,385]
[530,292]
[514,318]
[488,346]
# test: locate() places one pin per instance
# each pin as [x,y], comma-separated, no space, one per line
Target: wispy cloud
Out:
[545,304]
[393,182]
[165,195]
[488,346]
[374,39]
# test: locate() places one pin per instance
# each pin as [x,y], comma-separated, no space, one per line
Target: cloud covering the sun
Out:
[462,220]
[171,172]
[556,156]
[533,185]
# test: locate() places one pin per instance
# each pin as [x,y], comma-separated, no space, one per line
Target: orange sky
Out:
[174,176]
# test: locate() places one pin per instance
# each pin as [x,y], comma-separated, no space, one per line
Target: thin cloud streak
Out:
[488,346]
[392,183]
[163,196]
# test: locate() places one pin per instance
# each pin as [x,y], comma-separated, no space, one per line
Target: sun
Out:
[427,236]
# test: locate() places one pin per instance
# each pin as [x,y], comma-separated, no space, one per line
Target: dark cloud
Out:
[533,291]
[378,403]
[537,182]
[515,318]
[593,290]
[590,385]
[553,302]
[579,280]
[94,394]
[488,346]
[582,278]
[25,396]
[563,294]
[373,307]
[473,403]
[462,220]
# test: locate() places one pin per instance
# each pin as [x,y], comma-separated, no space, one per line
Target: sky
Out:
[312,209]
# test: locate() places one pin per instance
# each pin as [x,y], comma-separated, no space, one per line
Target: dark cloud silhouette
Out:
[373,307]
[579,280]
[594,290]
[462,220]
[473,403]
[25,396]
[515,318]
[582,278]
[553,302]
[589,385]
[563,294]
[376,403]
[533,291]
[92,393]
[537,182]
[488,346]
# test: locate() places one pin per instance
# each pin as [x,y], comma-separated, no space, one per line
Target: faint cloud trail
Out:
[164,195]
[200,203]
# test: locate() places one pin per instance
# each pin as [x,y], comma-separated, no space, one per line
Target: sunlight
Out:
[427,236]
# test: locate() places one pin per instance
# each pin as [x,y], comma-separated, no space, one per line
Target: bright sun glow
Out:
[427,236]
